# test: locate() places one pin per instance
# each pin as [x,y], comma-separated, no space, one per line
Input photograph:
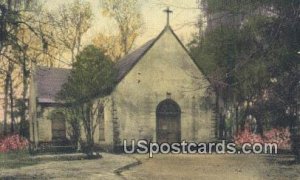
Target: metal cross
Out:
[168,11]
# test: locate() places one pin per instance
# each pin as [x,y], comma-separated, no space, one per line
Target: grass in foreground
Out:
[16,159]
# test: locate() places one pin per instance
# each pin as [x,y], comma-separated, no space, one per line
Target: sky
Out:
[182,19]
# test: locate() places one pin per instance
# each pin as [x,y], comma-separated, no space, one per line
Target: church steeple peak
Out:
[168,12]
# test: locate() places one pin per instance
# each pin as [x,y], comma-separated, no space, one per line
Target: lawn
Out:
[20,164]
[16,159]
[215,167]
[62,166]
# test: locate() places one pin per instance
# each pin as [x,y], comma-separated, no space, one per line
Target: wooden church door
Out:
[168,128]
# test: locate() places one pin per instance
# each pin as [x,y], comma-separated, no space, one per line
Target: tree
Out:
[29,36]
[128,18]
[12,19]
[250,50]
[69,24]
[93,75]
[111,45]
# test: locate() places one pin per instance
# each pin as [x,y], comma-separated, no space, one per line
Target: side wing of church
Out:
[161,96]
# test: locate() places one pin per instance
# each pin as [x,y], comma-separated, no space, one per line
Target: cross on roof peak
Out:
[168,12]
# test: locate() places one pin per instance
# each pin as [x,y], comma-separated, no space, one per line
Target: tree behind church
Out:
[128,20]
[251,49]
[93,75]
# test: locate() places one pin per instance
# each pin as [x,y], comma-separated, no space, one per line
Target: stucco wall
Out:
[166,67]
[45,125]
[32,107]
[108,126]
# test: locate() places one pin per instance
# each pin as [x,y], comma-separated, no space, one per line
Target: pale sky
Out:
[182,19]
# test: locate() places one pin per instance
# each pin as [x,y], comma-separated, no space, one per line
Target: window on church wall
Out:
[101,123]
[58,127]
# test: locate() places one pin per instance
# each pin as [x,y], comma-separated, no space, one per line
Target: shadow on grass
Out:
[16,159]
[289,162]
[19,159]
[284,159]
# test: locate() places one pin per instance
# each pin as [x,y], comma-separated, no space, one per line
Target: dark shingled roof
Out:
[49,82]
[126,63]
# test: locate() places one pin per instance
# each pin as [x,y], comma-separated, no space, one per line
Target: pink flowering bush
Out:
[281,137]
[13,143]
[247,137]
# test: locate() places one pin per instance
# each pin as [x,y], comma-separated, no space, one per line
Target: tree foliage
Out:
[17,53]
[250,52]
[111,44]
[128,19]
[92,76]
[70,22]
[31,35]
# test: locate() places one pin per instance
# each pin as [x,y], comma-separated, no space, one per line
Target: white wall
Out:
[166,67]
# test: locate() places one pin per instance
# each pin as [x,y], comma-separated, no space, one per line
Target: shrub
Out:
[13,143]
[247,136]
[280,136]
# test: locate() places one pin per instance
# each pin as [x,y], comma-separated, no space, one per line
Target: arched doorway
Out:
[58,127]
[168,128]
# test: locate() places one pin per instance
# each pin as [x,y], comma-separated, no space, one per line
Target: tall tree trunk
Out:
[6,85]
[25,73]
[237,118]
[259,122]
[11,98]
[218,119]
[86,113]
[247,112]
[89,120]
[221,119]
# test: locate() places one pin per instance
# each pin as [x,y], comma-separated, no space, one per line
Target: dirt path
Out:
[214,167]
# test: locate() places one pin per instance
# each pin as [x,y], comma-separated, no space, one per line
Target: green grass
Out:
[16,159]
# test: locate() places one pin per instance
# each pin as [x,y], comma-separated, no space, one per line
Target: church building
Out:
[161,96]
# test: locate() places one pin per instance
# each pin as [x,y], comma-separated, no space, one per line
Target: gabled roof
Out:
[49,82]
[127,62]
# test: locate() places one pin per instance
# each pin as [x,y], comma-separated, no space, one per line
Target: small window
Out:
[101,123]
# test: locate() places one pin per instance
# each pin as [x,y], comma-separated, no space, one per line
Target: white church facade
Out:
[161,96]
